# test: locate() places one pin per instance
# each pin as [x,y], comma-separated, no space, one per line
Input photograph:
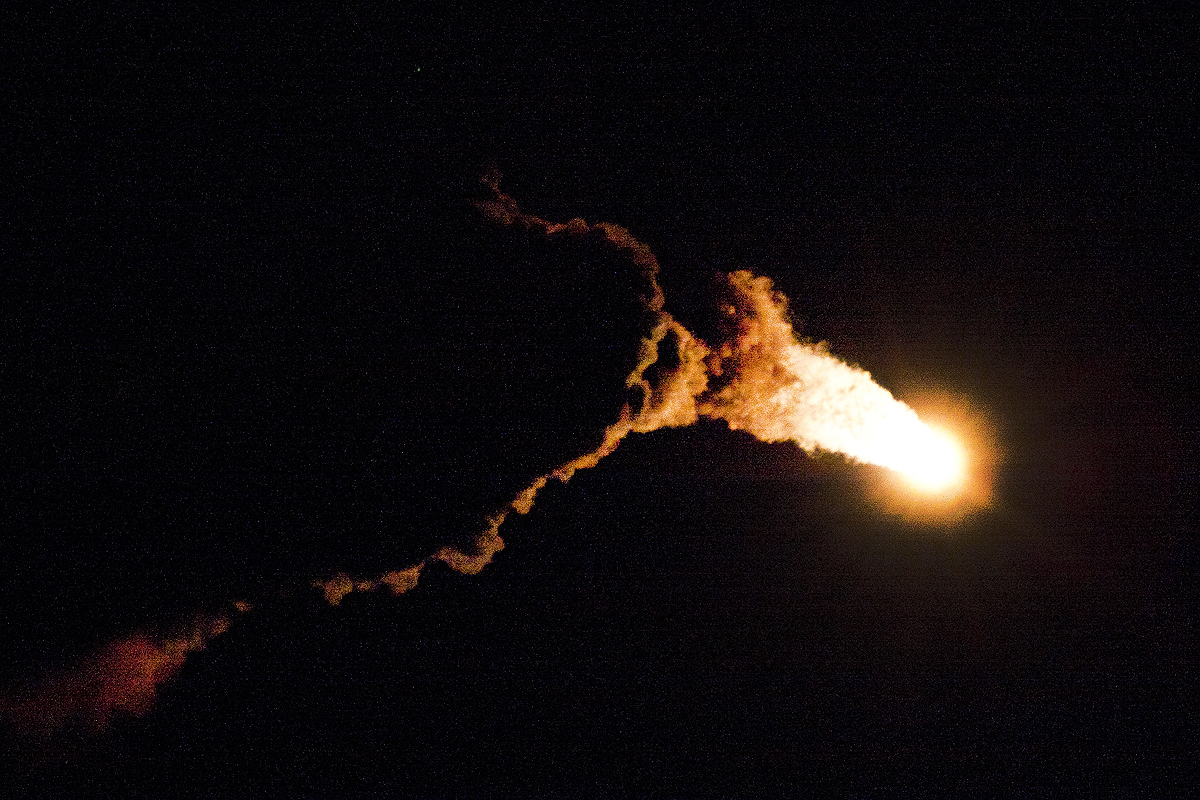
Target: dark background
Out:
[253,333]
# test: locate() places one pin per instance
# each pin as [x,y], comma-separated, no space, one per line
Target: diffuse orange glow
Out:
[123,678]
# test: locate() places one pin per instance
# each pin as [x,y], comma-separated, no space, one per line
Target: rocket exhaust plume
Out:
[760,378]
[768,383]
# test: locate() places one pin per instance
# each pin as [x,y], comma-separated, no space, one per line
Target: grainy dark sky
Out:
[255,333]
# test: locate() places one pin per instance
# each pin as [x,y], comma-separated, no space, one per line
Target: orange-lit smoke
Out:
[667,401]
[778,388]
[760,378]
[122,679]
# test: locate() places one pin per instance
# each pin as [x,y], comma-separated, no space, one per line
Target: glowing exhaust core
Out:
[767,382]
[929,459]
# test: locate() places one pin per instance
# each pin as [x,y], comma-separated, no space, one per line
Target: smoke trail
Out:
[665,399]
[760,379]
[121,679]
[397,581]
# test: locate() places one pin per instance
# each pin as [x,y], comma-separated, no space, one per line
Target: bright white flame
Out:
[779,388]
[930,459]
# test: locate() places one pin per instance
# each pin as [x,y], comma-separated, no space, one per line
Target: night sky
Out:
[255,332]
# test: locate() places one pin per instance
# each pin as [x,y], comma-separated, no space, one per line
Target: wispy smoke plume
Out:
[122,679]
[397,581]
[668,399]
[760,378]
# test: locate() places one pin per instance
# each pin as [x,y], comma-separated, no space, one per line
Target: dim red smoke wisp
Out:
[123,678]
